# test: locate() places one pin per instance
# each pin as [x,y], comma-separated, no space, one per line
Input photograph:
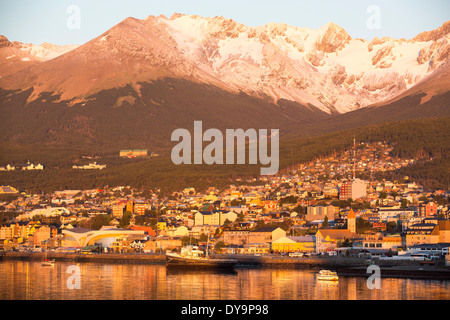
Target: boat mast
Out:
[207,247]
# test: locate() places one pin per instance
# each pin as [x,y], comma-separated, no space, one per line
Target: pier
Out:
[82,257]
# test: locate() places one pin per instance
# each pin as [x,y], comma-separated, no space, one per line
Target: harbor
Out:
[345,266]
[29,280]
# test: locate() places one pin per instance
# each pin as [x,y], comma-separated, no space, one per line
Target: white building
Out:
[92,165]
[354,189]
[47,212]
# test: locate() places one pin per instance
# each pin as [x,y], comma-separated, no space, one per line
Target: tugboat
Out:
[327,275]
[192,257]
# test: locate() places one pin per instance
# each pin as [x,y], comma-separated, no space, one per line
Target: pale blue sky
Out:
[32,21]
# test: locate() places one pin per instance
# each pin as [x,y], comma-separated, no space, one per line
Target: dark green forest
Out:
[425,138]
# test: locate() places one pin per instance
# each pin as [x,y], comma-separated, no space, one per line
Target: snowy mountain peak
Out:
[323,67]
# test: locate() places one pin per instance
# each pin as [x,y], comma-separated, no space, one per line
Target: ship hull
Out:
[175,261]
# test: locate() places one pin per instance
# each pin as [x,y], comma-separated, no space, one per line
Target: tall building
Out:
[351,221]
[427,209]
[354,189]
[130,206]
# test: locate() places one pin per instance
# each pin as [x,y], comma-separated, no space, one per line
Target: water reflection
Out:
[23,280]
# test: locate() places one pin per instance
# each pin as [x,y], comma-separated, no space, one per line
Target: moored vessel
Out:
[48,263]
[327,275]
[192,257]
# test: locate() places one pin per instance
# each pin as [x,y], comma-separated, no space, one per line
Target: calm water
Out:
[22,280]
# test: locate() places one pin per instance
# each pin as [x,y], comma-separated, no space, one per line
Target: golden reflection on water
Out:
[24,280]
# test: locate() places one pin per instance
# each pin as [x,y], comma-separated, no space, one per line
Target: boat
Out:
[48,263]
[327,275]
[192,256]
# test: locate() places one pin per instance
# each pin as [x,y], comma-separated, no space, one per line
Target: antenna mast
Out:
[354,156]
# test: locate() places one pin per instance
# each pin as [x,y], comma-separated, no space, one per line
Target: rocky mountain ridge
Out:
[325,68]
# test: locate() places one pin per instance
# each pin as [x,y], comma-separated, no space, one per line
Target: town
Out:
[329,206]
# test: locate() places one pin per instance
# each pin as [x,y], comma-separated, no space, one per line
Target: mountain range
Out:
[138,81]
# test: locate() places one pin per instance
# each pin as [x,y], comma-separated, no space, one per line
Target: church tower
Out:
[351,221]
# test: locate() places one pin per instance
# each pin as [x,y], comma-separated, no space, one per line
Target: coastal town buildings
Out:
[305,209]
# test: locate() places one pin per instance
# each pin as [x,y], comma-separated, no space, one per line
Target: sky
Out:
[78,21]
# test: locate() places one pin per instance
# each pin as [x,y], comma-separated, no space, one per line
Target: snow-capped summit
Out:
[45,51]
[326,67]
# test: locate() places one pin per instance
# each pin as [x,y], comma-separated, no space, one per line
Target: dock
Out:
[97,258]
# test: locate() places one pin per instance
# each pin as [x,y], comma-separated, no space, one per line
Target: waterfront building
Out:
[236,237]
[161,244]
[250,248]
[266,234]
[330,239]
[295,244]
[261,235]
[381,243]
[435,249]
[428,233]
[40,235]
[80,237]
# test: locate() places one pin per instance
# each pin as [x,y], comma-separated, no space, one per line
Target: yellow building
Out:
[328,239]
[118,209]
[444,231]
[161,225]
[295,244]
[428,233]
[133,153]
[130,206]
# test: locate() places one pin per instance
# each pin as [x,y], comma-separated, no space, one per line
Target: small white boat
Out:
[48,263]
[327,275]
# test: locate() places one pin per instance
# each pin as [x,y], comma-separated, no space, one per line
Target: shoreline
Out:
[345,266]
